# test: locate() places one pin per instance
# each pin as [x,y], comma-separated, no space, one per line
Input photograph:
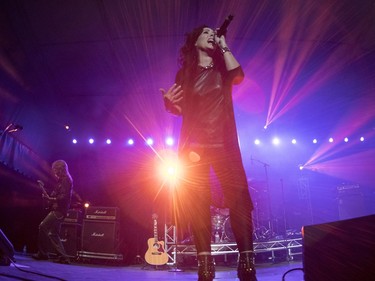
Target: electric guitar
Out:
[46,203]
[156,254]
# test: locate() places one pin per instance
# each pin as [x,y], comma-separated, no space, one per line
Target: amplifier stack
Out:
[350,201]
[100,234]
[70,236]
[70,233]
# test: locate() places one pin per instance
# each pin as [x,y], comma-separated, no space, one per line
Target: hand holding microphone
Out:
[224,27]
[220,35]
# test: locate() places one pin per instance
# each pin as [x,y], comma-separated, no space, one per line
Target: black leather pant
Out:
[194,196]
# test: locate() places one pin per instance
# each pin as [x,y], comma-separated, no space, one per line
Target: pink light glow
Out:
[357,167]
[250,97]
[349,125]
[291,57]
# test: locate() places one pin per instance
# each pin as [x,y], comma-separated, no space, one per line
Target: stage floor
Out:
[28,269]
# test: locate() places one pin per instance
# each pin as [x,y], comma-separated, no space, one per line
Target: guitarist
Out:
[59,202]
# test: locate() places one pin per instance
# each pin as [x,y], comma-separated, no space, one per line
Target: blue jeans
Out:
[49,238]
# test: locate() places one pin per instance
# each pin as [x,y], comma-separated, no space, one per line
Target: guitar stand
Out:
[139,260]
[155,267]
[146,266]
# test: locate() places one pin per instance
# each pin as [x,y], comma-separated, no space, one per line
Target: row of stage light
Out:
[169,141]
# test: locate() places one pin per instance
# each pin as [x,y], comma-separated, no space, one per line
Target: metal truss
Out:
[170,239]
[292,247]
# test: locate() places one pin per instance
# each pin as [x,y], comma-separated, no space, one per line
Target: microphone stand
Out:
[265,165]
[284,212]
[172,208]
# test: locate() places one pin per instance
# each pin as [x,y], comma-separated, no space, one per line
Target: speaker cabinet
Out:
[342,250]
[100,236]
[6,250]
[351,206]
[70,236]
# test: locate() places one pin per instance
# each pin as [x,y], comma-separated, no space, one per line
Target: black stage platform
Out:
[26,268]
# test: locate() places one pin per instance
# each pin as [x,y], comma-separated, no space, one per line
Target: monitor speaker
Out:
[342,250]
[6,250]
[100,236]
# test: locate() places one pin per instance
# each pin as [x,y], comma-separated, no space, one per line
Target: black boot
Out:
[39,256]
[62,259]
[206,268]
[246,269]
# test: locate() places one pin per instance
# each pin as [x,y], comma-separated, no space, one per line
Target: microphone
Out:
[223,28]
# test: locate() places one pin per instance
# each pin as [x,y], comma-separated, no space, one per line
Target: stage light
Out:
[108,141]
[169,167]
[362,139]
[74,141]
[265,127]
[257,142]
[86,204]
[67,127]
[91,141]
[130,141]
[330,140]
[276,141]
[150,141]
[346,140]
[315,141]
[294,141]
[171,171]
[300,166]
[169,141]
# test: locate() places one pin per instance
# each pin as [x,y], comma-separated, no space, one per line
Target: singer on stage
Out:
[202,96]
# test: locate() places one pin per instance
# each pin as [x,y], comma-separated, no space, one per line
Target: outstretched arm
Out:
[172,99]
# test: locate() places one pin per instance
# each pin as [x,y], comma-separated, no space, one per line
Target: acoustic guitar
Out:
[156,254]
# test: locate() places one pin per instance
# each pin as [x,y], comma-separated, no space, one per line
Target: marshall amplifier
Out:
[100,236]
[70,236]
[102,213]
[73,216]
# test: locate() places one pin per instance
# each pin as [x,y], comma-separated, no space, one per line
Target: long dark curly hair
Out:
[188,54]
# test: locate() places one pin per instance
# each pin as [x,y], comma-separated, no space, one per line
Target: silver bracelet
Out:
[224,50]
